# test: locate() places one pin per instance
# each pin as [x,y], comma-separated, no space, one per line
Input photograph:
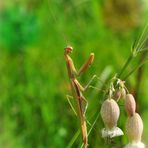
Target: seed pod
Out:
[134,128]
[130,104]
[110,113]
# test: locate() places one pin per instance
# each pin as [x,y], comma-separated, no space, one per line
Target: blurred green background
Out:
[34,112]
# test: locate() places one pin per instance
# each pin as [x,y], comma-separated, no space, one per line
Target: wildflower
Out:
[110,113]
[134,124]
[135,145]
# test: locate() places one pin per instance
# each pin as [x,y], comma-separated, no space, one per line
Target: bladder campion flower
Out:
[110,113]
[134,124]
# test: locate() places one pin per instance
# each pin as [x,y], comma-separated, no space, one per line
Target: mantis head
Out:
[68,50]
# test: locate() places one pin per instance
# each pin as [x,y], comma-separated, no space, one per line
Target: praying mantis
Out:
[78,89]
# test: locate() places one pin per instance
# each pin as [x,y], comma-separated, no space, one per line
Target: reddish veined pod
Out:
[130,104]
[134,128]
[110,113]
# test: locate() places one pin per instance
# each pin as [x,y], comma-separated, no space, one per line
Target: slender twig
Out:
[138,47]
[134,69]
[139,78]
[73,139]
[125,65]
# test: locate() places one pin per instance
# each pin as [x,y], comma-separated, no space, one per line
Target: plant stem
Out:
[125,65]
[139,79]
[73,139]
[133,70]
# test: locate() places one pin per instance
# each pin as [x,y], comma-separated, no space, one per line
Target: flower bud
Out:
[130,104]
[120,94]
[110,113]
[134,128]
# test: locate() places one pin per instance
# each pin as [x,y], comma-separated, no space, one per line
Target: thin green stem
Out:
[125,65]
[78,133]
[133,70]
[73,139]
[140,38]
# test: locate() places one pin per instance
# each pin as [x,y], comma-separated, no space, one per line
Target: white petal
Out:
[135,145]
[114,132]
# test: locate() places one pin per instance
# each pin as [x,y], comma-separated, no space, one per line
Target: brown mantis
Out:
[78,90]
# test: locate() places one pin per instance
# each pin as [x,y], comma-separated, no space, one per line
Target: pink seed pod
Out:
[134,128]
[130,104]
[110,113]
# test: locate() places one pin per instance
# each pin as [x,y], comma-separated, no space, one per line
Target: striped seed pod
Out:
[134,128]
[130,104]
[110,113]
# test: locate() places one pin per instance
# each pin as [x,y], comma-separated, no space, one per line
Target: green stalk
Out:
[133,70]
[73,139]
[125,65]
[78,133]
